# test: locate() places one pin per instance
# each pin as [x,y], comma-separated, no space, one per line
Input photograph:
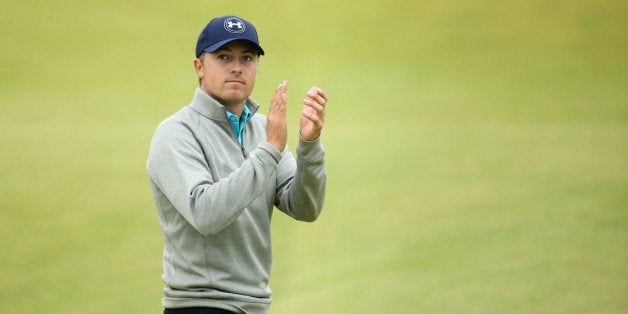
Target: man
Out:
[217,168]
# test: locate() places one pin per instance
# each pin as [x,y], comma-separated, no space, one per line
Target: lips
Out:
[236,82]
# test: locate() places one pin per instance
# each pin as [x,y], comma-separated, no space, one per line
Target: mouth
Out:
[235,82]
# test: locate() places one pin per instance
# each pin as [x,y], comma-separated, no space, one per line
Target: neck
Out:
[236,109]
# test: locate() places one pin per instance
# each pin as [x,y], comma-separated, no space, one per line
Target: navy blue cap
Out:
[223,30]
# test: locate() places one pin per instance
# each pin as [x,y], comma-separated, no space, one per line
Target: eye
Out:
[223,57]
[247,58]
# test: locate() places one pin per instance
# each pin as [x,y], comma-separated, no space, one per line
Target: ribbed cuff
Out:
[272,151]
[310,150]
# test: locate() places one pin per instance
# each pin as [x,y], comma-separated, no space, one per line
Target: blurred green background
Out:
[477,152]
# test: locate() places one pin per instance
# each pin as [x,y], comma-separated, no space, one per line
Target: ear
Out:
[198,67]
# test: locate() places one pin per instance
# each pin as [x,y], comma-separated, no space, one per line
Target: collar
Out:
[212,109]
[246,115]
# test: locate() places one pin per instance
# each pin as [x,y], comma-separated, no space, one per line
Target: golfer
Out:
[217,169]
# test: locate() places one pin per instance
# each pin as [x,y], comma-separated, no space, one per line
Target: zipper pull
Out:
[243,151]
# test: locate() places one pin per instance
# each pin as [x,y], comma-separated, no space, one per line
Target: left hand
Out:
[313,114]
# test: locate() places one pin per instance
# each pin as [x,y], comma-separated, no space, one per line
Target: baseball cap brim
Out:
[216,46]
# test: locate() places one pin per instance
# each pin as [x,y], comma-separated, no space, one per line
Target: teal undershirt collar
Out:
[238,124]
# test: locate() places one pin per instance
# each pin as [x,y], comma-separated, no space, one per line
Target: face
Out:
[229,74]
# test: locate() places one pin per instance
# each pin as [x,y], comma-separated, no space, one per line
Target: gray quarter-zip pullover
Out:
[214,200]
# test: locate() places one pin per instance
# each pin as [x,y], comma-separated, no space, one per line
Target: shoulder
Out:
[173,136]
[177,126]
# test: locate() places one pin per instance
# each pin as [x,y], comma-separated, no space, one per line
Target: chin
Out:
[236,95]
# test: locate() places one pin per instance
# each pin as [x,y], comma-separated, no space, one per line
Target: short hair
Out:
[201,58]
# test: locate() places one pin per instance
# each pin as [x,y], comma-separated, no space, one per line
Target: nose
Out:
[237,67]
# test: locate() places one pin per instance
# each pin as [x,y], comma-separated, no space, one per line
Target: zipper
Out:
[235,135]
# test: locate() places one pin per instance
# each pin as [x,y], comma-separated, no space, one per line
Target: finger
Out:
[318,93]
[284,98]
[317,117]
[317,98]
[284,86]
[309,102]
[313,117]
[279,99]
[283,104]
[276,96]
[281,89]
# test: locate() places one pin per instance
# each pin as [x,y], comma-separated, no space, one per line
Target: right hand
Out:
[276,124]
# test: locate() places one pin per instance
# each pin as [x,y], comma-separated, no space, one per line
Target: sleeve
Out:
[177,166]
[301,184]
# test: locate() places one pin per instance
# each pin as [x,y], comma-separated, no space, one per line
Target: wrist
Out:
[309,138]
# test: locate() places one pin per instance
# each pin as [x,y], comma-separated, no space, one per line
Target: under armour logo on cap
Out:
[234,25]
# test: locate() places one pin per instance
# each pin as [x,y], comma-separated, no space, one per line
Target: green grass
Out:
[476,153]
